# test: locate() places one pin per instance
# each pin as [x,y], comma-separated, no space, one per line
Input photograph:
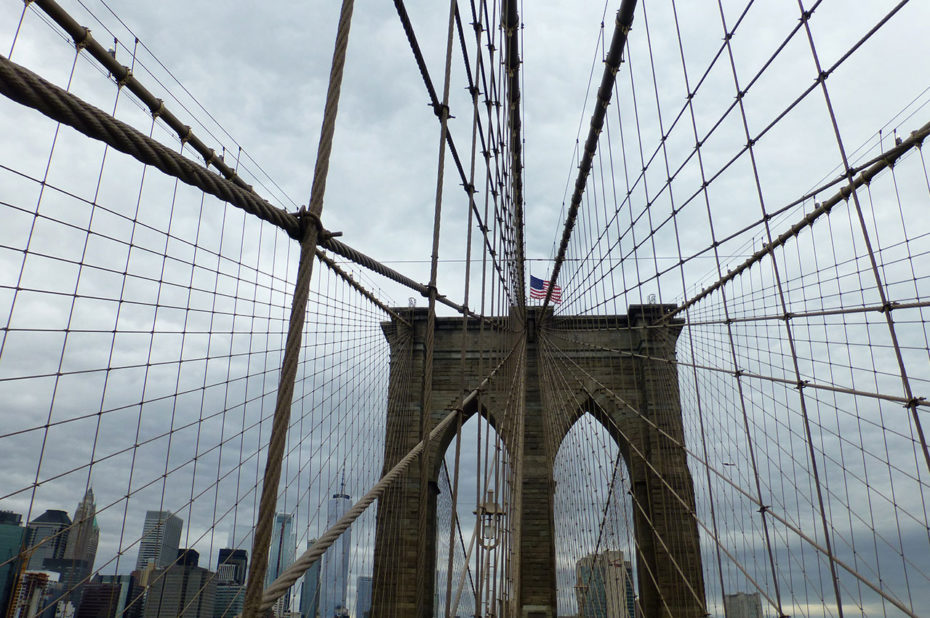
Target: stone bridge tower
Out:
[628,384]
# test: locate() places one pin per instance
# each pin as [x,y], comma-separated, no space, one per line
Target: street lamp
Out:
[491,515]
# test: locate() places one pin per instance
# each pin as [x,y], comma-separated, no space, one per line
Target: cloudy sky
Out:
[254,77]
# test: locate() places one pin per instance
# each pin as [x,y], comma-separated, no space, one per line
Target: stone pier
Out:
[619,371]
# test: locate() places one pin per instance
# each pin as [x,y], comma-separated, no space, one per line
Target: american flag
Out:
[538,289]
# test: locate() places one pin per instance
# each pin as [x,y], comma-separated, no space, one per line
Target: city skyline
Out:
[113,593]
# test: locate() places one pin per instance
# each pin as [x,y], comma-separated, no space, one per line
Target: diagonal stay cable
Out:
[25,87]
[172,162]
[438,110]
[287,579]
[605,91]
[310,234]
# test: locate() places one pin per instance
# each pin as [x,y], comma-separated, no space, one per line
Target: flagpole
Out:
[530,262]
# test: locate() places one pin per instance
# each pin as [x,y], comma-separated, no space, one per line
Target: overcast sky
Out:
[260,73]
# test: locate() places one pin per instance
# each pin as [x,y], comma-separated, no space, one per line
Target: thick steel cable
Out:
[887,160]
[358,287]
[123,76]
[429,337]
[287,579]
[510,23]
[340,248]
[611,64]
[26,88]
[311,233]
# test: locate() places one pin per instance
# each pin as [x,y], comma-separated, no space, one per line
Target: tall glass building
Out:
[333,594]
[604,586]
[11,542]
[281,555]
[310,589]
[161,538]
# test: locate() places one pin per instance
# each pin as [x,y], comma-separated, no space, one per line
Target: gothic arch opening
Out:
[594,526]
[477,549]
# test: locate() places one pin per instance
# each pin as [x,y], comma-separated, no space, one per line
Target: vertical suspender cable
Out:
[424,597]
[310,221]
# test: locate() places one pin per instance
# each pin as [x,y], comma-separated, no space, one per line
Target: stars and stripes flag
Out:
[539,288]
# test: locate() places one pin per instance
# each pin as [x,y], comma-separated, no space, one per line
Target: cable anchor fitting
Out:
[78,45]
[125,78]
[305,219]
[158,110]
[430,290]
[441,110]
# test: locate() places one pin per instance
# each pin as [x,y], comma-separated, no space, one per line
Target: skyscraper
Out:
[77,562]
[231,570]
[336,561]
[182,587]
[310,589]
[230,599]
[281,554]
[743,605]
[238,559]
[99,600]
[161,537]
[363,587]
[604,586]
[111,596]
[11,542]
[47,537]
[85,533]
